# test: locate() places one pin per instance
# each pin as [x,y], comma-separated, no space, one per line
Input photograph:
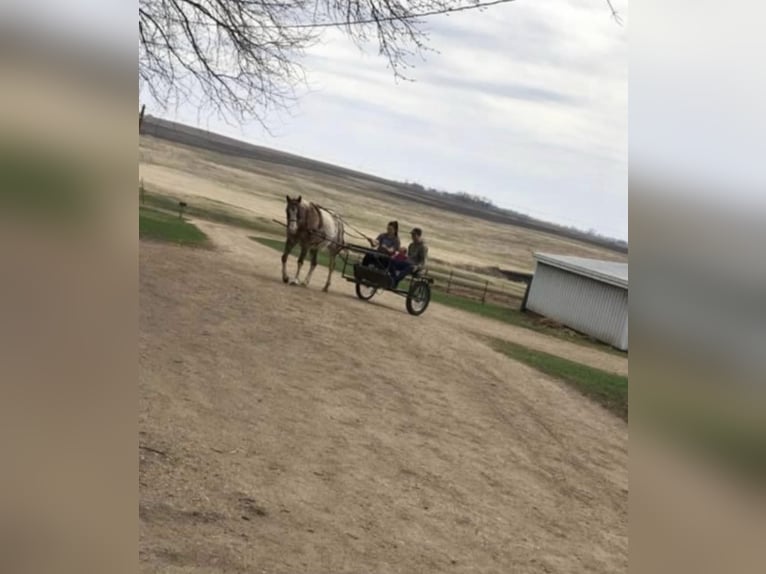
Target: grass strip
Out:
[161,226]
[607,389]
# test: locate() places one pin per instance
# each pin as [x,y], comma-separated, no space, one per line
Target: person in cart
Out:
[400,255]
[417,256]
[386,244]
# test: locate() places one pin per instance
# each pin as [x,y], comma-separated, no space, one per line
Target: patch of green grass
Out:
[161,226]
[277,244]
[607,389]
[203,210]
[498,312]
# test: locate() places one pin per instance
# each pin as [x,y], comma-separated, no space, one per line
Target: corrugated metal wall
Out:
[584,304]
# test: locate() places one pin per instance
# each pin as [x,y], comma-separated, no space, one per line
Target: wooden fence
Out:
[500,291]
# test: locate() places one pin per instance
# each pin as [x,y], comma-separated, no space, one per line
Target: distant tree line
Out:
[486,204]
[461,196]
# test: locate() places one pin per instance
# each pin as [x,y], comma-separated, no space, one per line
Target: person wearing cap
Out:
[417,255]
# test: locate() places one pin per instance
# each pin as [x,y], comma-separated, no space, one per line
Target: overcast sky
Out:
[525,103]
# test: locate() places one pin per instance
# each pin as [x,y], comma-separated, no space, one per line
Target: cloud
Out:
[525,103]
[507,90]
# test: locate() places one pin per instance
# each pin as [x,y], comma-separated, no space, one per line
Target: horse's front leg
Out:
[301,257]
[289,244]
[313,254]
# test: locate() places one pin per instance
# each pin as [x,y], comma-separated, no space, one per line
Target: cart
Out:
[370,280]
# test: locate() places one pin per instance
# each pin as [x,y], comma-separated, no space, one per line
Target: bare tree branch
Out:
[241,58]
[615,14]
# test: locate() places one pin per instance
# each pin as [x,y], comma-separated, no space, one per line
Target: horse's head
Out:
[293,213]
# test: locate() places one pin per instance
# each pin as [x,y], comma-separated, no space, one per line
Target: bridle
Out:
[294,216]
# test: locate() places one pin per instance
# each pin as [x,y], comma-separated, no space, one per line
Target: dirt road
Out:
[284,430]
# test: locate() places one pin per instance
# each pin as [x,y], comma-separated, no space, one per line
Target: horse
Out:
[314,228]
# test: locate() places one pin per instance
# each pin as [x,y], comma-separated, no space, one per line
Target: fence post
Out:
[484,295]
[141,117]
[449,281]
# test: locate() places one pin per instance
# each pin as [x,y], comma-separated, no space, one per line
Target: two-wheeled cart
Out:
[377,277]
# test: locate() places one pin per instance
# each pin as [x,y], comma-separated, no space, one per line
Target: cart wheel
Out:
[418,297]
[365,292]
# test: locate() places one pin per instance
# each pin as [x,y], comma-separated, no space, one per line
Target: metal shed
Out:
[587,295]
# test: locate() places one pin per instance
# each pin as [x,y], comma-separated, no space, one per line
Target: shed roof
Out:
[612,272]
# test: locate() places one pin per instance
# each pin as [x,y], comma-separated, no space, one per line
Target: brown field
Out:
[284,430]
[259,188]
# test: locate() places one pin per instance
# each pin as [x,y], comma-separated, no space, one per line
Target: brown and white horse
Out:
[313,228]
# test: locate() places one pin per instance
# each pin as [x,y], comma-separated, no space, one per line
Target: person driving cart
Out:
[417,255]
[386,244]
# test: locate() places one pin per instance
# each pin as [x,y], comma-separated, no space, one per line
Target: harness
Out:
[319,215]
